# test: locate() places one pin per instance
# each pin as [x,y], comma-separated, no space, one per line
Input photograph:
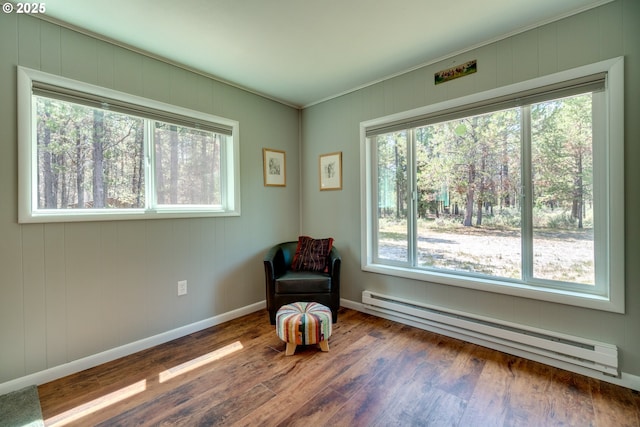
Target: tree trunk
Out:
[215,189]
[173,141]
[47,170]
[79,168]
[138,172]
[159,168]
[98,159]
[578,196]
[468,212]
[64,196]
[487,185]
[206,171]
[398,181]
[504,186]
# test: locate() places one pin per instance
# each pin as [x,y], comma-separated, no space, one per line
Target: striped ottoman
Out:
[303,323]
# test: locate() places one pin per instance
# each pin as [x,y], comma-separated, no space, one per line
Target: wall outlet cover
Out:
[182,287]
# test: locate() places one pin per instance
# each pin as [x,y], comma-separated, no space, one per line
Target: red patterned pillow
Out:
[312,254]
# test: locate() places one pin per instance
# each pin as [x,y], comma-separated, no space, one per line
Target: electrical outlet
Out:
[182,287]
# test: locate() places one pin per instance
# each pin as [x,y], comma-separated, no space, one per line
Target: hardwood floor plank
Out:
[316,410]
[572,403]
[146,411]
[229,378]
[358,372]
[431,407]
[489,404]
[306,377]
[376,373]
[529,401]
[401,360]
[461,376]
[615,406]
[224,413]
[367,367]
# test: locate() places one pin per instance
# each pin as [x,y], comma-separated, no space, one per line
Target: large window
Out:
[517,190]
[90,153]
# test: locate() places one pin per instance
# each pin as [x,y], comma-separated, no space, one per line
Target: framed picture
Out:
[465,69]
[331,171]
[275,168]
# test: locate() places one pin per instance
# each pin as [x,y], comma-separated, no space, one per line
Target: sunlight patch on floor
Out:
[95,405]
[199,361]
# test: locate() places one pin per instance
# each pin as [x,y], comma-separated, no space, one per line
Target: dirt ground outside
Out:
[564,255]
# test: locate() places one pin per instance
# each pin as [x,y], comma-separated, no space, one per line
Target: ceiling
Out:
[301,52]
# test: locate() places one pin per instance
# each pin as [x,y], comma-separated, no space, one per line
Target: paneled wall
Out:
[72,290]
[605,32]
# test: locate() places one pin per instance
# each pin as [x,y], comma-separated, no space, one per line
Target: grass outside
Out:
[559,254]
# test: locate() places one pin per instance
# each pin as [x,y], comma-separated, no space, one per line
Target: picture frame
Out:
[330,171]
[452,73]
[274,167]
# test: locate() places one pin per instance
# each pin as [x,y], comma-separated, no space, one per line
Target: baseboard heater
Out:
[549,347]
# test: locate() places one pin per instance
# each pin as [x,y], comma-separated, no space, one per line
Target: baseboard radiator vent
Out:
[560,350]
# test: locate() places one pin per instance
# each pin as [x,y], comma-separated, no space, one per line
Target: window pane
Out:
[393,236]
[468,180]
[88,158]
[563,242]
[187,166]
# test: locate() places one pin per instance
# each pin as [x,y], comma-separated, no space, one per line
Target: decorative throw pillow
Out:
[312,254]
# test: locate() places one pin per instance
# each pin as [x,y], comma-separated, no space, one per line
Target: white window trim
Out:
[612,301]
[27,159]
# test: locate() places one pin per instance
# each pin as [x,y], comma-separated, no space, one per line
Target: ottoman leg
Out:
[324,345]
[291,348]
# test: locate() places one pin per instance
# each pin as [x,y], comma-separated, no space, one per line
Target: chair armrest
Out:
[273,268]
[335,262]
[275,263]
[270,262]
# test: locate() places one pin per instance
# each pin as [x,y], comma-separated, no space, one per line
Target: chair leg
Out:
[324,345]
[291,348]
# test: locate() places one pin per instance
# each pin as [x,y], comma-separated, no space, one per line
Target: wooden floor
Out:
[377,373]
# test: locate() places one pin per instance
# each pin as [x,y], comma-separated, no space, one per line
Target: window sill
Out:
[584,300]
[121,214]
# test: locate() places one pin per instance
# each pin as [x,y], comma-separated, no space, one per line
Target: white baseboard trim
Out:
[63,370]
[625,379]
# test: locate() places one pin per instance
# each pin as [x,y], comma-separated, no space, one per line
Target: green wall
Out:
[69,291]
[605,32]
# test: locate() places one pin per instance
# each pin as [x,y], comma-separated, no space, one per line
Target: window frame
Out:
[28,211]
[611,297]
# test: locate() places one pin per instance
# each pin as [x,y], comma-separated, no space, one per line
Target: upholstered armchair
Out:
[286,284]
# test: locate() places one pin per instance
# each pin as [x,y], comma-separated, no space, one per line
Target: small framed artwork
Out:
[275,168]
[331,171]
[465,69]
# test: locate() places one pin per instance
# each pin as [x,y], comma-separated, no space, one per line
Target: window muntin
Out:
[89,153]
[577,260]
